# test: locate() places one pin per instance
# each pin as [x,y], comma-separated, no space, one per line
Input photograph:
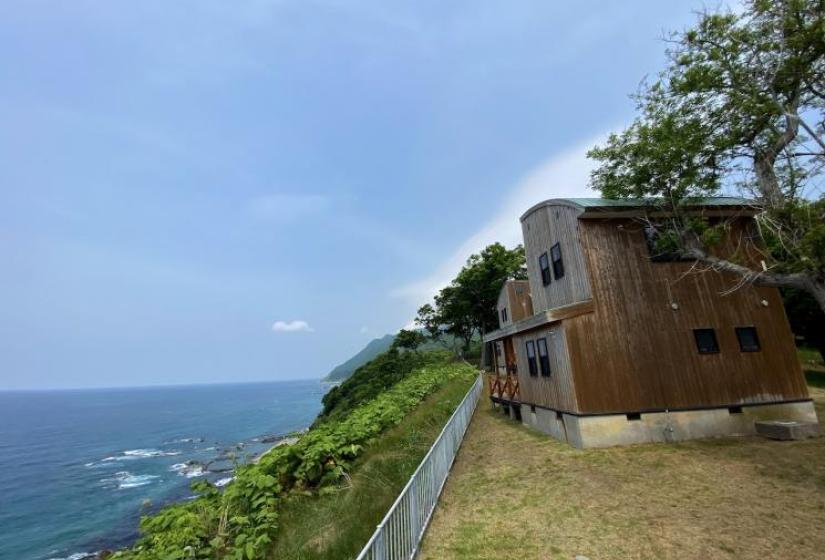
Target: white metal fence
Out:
[399,533]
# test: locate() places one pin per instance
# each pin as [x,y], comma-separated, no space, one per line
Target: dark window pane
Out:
[544,265]
[544,357]
[748,339]
[558,265]
[531,358]
[706,341]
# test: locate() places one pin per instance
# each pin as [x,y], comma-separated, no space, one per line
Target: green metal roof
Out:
[642,202]
[598,204]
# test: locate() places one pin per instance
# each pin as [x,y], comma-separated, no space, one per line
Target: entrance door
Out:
[510,356]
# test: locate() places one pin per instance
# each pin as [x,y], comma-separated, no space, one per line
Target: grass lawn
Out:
[518,494]
[338,525]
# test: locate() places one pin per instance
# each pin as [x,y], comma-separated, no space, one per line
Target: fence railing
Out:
[399,533]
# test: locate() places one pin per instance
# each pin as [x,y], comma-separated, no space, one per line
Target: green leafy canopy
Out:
[740,107]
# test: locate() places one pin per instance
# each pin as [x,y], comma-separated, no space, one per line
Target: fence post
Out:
[414,529]
[380,546]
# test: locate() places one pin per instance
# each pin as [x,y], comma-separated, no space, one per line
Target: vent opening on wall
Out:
[735,410]
[559,415]
[533,408]
[634,416]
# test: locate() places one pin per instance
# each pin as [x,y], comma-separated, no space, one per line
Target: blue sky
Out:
[176,178]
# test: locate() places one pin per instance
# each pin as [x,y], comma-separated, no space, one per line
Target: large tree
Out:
[739,107]
[467,306]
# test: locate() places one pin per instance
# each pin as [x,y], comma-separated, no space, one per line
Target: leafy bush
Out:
[369,380]
[241,522]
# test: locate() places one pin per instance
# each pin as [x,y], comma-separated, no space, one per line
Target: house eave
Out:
[540,319]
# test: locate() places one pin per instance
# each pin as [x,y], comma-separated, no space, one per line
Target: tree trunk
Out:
[481,357]
[817,290]
[768,183]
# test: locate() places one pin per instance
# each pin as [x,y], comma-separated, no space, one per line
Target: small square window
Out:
[706,341]
[544,265]
[558,265]
[748,339]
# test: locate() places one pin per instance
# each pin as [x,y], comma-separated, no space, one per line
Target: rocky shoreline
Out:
[224,463]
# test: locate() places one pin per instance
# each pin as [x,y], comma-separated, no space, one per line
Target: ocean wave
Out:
[178,467]
[224,481]
[194,472]
[131,455]
[141,453]
[78,556]
[124,480]
[185,440]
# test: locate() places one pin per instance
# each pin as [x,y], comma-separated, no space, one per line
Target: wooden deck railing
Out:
[504,386]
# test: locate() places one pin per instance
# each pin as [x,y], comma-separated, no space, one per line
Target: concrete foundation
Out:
[624,429]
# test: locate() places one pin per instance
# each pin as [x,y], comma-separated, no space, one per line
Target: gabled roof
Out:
[509,282]
[591,207]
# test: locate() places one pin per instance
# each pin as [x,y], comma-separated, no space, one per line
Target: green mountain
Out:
[370,351]
[379,346]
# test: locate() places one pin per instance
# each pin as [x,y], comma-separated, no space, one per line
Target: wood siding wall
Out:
[515,296]
[556,391]
[637,353]
[542,229]
[503,302]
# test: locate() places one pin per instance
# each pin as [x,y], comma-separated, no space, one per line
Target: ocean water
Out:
[77,468]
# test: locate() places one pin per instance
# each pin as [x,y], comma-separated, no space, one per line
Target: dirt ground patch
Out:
[514,493]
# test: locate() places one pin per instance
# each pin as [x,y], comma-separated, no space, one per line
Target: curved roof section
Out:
[594,206]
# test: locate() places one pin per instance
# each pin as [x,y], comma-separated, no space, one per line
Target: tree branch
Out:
[759,278]
[812,132]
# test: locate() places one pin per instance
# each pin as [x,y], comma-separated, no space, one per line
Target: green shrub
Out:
[384,371]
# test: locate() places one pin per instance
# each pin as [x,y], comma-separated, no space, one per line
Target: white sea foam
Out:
[131,455]
[124,480]
[177,467]
[194,471]
[224,481]
[186,440]
[77,556]
[149,453]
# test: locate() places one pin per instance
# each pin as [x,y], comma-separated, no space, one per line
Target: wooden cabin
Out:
[624,345]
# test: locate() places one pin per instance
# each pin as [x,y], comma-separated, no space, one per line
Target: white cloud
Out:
[364,330]
[563,175]
[291,326]
[283,208]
